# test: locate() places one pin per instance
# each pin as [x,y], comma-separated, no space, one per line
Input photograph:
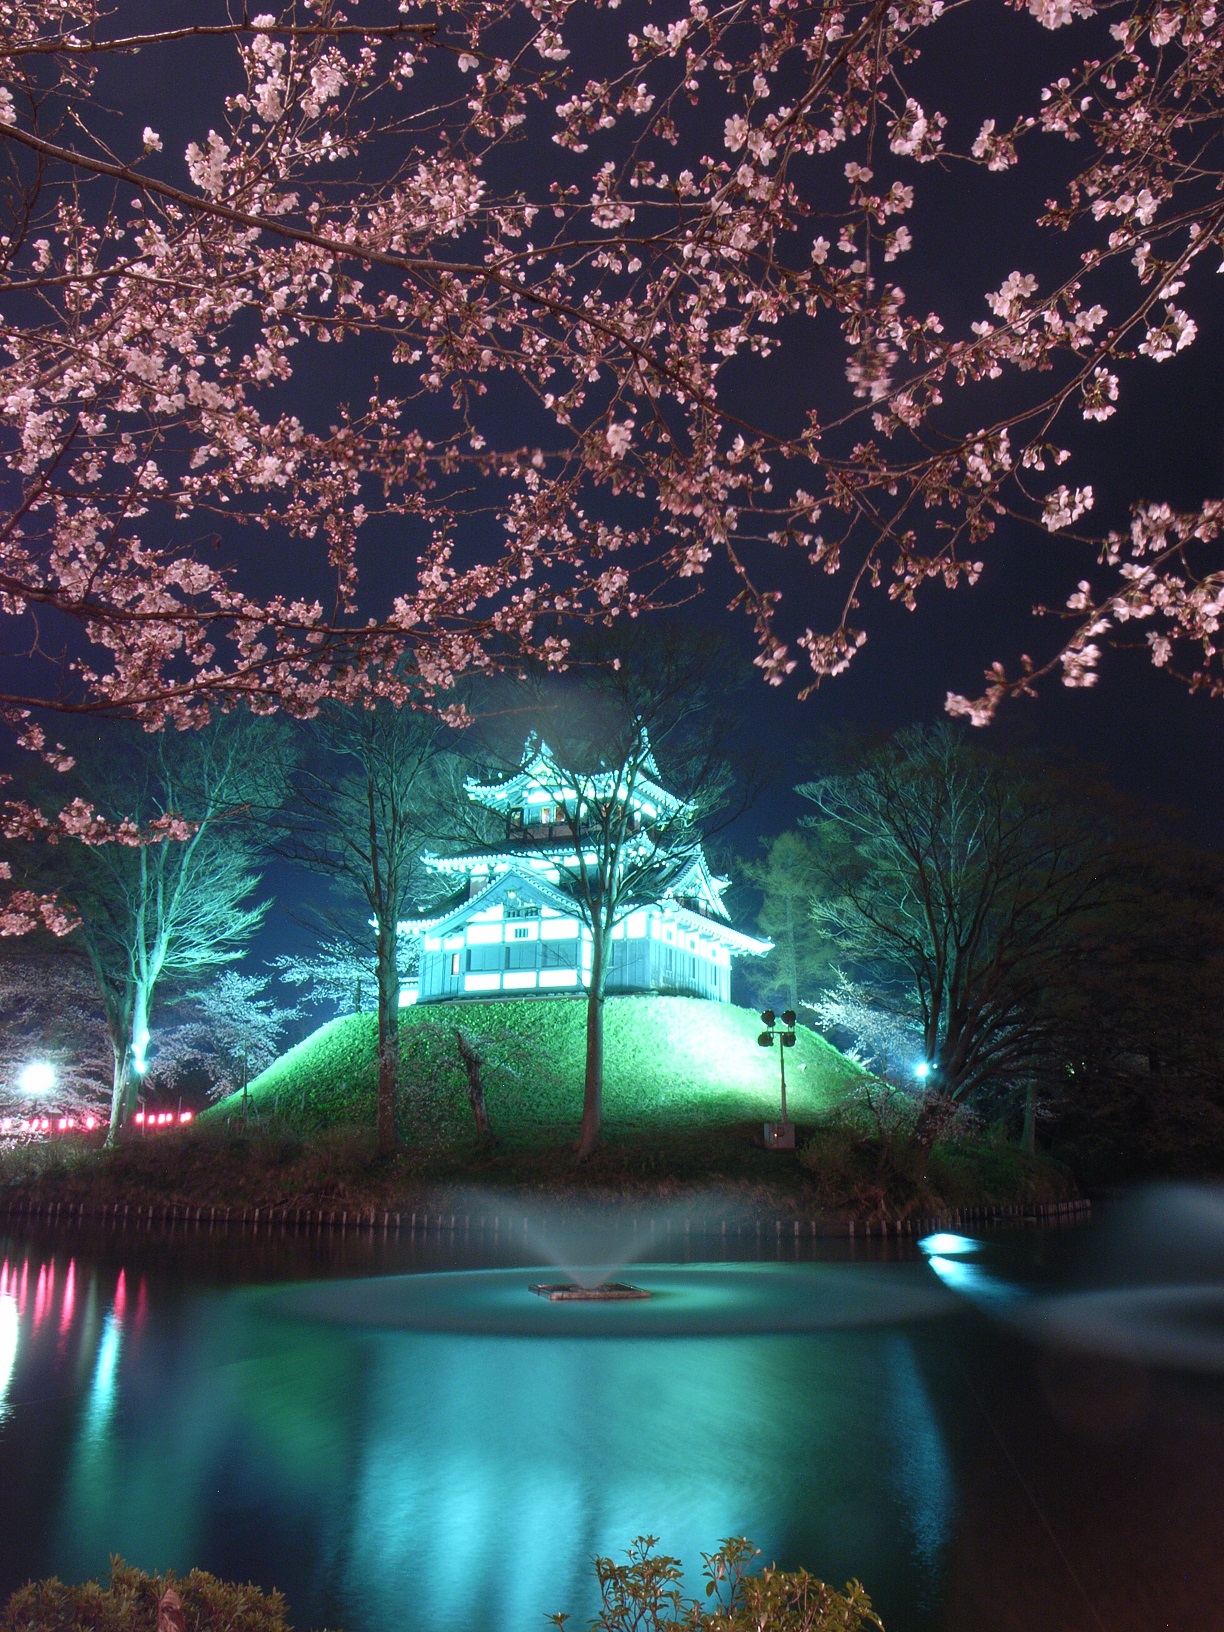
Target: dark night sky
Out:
[1167,442]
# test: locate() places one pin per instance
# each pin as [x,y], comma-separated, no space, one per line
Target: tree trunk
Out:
[592,1095]
[121,1085]
[472,1065]
[388,1037]
[121,1021]
[1028,1135]
[791,954]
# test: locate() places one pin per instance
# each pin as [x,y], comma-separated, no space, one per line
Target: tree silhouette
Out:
[371,787]
[968,882]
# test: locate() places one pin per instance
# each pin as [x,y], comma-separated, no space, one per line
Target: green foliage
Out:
[641,1595]
[671,1062]
[136,1602]
[869,1154]
[802,960]
[644,1595]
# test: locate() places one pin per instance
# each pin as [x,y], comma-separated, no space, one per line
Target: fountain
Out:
[573,1292]
[582,1287]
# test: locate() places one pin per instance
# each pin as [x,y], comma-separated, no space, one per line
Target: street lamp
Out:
[37,1078]
[779,1135]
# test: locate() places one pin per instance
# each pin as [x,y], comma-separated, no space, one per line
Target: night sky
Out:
[1166,442]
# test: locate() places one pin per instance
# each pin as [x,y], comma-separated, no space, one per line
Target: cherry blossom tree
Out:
[582,247]
[232,1029]
[335,974]
[51,1018]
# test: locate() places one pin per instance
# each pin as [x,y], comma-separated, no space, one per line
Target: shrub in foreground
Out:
[641,1595]
[136,1602]
[644,1595]
[885,1152]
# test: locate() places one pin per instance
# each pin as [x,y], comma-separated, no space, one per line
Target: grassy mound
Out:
[670,1062]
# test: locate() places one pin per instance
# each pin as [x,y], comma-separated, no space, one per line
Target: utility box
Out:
[779,1136]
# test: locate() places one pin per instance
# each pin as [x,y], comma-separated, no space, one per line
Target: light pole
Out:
[779,1135]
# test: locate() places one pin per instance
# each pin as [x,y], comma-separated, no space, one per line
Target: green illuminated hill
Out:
[670,1062]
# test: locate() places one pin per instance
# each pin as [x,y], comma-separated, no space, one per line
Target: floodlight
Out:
[767,1017]
[947,1246]
[922,1070]
[788,1018]
[37,1078]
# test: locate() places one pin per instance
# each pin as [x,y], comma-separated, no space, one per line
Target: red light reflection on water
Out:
[120,1296]
[69,1304]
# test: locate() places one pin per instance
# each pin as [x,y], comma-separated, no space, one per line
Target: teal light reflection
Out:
[461,1480]
[923,1470]
[101,1402]
[10,1338]
[942,1245]
[973,1281]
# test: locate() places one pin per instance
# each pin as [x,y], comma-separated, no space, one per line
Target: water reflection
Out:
[393,1471]
[447,1480]
[9,1332]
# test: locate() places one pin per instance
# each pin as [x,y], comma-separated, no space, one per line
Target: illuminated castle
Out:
[514,925]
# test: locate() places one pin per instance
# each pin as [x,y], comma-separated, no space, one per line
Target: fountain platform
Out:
[605,1292]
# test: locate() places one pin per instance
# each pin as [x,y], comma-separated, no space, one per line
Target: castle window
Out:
[454,963]
[522,933]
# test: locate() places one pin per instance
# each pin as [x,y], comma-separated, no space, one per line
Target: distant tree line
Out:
[1006,933]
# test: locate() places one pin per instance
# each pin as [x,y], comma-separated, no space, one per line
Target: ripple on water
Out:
[691,1300]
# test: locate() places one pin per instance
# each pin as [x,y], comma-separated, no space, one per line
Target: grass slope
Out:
[670,1062]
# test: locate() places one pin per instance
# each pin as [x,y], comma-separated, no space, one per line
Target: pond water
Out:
[1023,1431]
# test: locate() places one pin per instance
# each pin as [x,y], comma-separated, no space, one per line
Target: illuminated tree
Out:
[968,883]
[231,1028]
[173,911]
[879,1029]
[801,960]
[372,786]
[335,975]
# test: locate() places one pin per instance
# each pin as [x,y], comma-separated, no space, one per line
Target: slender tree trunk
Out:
[592,1094]
[120,1019]
[388,1037]
[120,1082]
[473,1067]
[1028,1134]
[792,957]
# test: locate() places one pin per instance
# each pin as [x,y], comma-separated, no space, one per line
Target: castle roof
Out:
[528,887]
[540,773]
